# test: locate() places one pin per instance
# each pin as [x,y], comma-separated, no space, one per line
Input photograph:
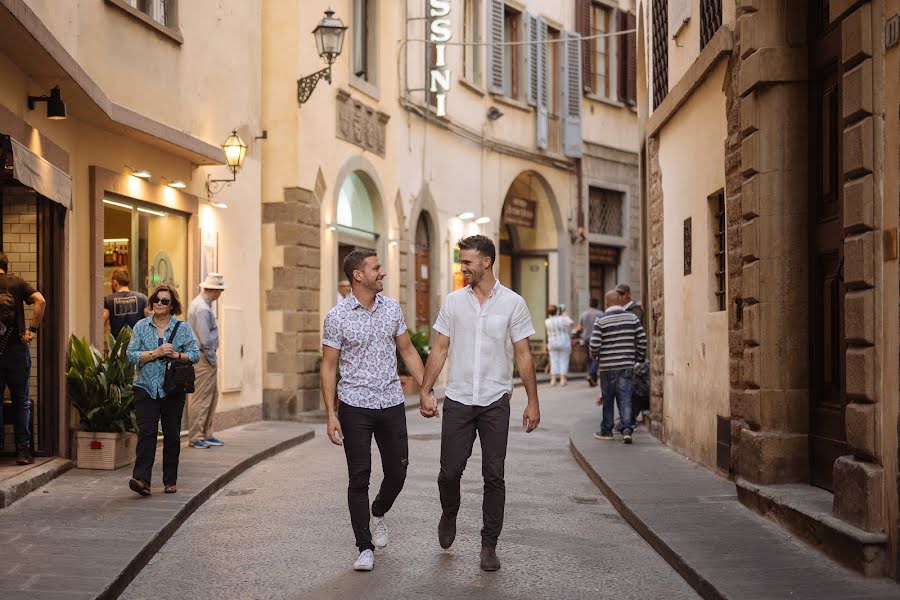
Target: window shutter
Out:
[622,58]
[583,9]
[496,52]
[572,94]
[543,71]
[631,67]
[532,61]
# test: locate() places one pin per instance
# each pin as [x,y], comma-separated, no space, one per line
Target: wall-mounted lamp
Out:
[218,204]
[394,242]
[56,108]
[465,216]
[142,174]
[483,220]
[332,227]
[494,113]
[177,184]
[235,152]
[329,34]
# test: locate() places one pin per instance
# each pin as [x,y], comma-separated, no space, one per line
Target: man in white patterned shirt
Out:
[363,335]
[482,327]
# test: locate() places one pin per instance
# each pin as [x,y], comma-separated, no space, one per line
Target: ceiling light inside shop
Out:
[152,212]
[483,220]
[178,184]
[119,204]
[115,240]
[465,216]
[142,174]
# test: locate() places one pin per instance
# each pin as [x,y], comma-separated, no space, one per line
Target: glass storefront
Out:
[150,241]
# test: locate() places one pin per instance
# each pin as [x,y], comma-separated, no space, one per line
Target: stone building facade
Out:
[797,347]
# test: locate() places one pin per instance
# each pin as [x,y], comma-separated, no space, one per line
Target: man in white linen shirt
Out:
[482,327]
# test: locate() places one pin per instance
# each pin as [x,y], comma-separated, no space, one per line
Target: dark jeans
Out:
[616,387]
[458,429]
[593,363]
[149,412]
[389,427]
[15,369]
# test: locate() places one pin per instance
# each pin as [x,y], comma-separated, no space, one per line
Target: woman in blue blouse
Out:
[150,350]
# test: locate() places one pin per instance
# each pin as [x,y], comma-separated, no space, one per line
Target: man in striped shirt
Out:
[617,342]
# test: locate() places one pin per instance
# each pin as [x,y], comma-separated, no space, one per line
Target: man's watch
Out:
[33,329]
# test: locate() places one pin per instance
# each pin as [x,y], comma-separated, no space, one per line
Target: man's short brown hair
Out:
[122,277]
[481,244]
[354,261]
[175,306]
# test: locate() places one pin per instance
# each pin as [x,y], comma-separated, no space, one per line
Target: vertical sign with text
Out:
[439,34]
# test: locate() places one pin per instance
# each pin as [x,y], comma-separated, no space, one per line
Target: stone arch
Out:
[425,208]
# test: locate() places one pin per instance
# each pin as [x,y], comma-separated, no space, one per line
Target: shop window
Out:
[148,241]
[355,213]
[606,212]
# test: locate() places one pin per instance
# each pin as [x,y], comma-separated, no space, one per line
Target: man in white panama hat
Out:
[202,403]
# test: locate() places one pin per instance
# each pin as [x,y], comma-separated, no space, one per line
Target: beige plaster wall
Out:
[696,366]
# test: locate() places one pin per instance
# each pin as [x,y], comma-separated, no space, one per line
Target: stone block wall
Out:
[294,296]
[656,322]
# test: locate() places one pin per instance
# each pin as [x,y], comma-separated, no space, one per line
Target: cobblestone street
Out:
[282,529]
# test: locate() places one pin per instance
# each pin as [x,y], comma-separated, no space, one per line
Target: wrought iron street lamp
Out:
[235,152]
[329,34]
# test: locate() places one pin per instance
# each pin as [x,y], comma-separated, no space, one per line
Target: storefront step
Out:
[16,482]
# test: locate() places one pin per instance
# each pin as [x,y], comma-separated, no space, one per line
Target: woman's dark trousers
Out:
[149,412]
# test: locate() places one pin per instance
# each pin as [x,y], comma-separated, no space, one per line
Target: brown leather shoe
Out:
[170,489]
[489,560]
[139,486]
[446,531]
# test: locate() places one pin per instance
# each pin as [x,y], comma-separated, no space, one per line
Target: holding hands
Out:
[428,405]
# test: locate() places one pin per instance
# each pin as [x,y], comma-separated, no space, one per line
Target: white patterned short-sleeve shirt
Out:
[368,346]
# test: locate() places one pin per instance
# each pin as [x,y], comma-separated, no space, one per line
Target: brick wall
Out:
[20,243]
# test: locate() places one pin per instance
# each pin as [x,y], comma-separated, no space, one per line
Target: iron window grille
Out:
[710,20]
[606,212]
[660,28]
[719,247]
[688,246]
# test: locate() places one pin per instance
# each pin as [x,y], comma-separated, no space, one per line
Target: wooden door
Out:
[827,345]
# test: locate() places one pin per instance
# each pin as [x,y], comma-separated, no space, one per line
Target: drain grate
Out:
[425,437]
[588,500]
[243,492]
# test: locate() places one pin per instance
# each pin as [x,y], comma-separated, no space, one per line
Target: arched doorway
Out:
[356,220]
[423,272]
[530,254]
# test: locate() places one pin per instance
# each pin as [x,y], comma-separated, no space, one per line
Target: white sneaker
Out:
[365,562]
[381,533]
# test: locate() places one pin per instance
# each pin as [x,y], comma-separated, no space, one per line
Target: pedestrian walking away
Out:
[123,307]
[15,355]
[202,403]
[585,328]
[559,343]
[618,342]
[482,327]
[363,335]
[640,397]
[156,340]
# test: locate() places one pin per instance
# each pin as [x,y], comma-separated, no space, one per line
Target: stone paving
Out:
[282,529]
[86,535]
[694,519]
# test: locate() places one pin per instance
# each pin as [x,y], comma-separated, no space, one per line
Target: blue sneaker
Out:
[200,444]
[214,441]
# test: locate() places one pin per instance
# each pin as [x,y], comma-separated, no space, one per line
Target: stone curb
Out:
[127,575]
[693,578]
[16,488]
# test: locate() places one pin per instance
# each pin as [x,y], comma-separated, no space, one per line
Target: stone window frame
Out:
[170,29]
[364,77]
[622,242]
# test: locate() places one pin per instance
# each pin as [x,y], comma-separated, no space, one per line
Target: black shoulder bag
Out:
[179,377]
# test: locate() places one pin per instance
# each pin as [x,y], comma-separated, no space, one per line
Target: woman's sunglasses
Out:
[163,301]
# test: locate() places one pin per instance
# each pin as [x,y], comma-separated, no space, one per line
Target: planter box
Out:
[409,384]
[104,450]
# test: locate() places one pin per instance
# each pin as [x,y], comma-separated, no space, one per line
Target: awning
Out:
[31,170]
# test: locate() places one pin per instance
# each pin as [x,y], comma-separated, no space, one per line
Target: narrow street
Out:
[282,529]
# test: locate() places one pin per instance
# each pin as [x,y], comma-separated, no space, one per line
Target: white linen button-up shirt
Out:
[481,342]
[368,346]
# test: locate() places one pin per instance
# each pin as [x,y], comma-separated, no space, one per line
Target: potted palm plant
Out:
[100,388]
[421,342]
